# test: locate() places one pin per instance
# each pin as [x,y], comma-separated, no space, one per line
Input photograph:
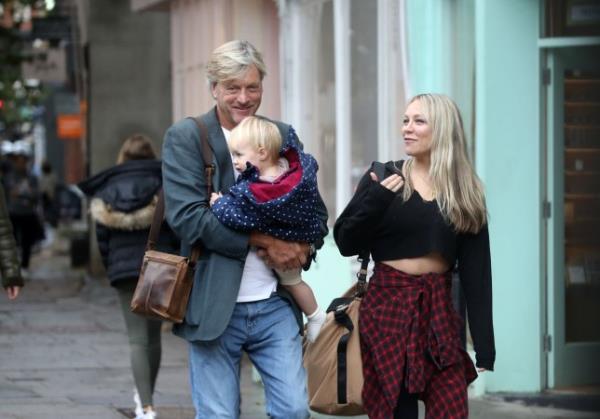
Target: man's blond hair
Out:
[260,133]
[231,60]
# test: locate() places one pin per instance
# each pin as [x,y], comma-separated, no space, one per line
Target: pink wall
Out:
[199,26]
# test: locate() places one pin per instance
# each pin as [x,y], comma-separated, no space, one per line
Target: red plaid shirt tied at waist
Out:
[409,330]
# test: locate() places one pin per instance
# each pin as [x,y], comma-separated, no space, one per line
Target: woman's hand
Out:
[12,292]
[393,182]
[214,196]
[480,370]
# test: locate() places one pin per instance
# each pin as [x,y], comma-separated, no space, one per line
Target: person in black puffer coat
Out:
[23,203]
[123,201]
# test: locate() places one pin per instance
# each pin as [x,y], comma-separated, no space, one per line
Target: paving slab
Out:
[64,354]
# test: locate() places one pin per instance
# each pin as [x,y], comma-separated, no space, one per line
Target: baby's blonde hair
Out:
[260,133]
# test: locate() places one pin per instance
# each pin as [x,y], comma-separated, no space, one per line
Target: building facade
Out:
[525,74]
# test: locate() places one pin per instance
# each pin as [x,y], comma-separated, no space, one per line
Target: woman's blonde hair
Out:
[457,188]
[136,147]
[260,133]
[231,60]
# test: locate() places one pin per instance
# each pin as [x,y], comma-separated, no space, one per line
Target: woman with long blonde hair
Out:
[421,218]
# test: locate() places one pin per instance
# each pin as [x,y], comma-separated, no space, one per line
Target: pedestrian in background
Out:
[23,200]
[123,202]
[235,304]
[48,183]
[9,260]
[425,216]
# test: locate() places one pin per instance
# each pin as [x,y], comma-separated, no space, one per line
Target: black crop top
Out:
[378,220]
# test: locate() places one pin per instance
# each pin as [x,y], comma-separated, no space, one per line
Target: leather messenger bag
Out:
[165,280]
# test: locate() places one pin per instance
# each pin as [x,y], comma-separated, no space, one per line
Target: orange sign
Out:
[69,126]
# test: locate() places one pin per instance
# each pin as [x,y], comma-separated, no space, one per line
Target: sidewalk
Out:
[64,355]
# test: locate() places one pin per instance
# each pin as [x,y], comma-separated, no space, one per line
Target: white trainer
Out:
[139,411]
[150,413]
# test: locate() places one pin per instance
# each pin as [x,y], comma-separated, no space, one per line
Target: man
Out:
[235,304]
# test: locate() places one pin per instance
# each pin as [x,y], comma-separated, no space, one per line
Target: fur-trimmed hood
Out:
[139,219]
[126,187]
[124,197]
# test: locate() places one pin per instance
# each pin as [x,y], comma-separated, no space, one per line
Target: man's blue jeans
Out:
[267,331]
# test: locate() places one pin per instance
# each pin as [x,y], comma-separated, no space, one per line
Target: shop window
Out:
[572,18]
[582,205]
[363,44]
[325,112]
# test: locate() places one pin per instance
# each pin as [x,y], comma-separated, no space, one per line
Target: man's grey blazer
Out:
[219,269]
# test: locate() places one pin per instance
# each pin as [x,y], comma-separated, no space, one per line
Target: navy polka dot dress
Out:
[284,208]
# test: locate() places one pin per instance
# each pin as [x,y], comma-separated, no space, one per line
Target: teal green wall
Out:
[508,154]
[331,274]
[429,43]
[441,51]
[487,51]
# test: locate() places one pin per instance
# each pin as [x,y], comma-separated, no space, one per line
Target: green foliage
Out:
[18,99]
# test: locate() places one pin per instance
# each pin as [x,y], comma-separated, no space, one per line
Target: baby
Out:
[276,194]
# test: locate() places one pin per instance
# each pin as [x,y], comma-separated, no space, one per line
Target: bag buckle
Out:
[361,289]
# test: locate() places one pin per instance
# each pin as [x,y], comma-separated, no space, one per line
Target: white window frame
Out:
[298,52]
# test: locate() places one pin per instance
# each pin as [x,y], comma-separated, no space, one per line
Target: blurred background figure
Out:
[23,202]
[12,280]
[48,183]
[123,201]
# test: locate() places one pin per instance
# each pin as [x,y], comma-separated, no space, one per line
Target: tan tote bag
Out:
[333,362]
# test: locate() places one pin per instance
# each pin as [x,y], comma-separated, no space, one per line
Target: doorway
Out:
[573,216]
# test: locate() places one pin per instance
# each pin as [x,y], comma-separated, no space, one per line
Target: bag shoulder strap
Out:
[364,256]
[379,170]
[159,212]
[361,276]
[207,153]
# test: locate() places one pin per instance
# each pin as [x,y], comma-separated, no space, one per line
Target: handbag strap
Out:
[361,275]
[207,154]
[343,319]
[364,256]
[159,213]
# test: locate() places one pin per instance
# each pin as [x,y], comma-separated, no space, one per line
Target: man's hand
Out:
[214,196]
[280,254]
[12,292]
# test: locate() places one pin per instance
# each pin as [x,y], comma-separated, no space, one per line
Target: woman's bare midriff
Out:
[433,262]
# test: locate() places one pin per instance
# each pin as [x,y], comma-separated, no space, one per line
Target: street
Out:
[64,354]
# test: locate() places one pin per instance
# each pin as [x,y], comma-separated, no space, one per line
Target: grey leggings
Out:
[144,344]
